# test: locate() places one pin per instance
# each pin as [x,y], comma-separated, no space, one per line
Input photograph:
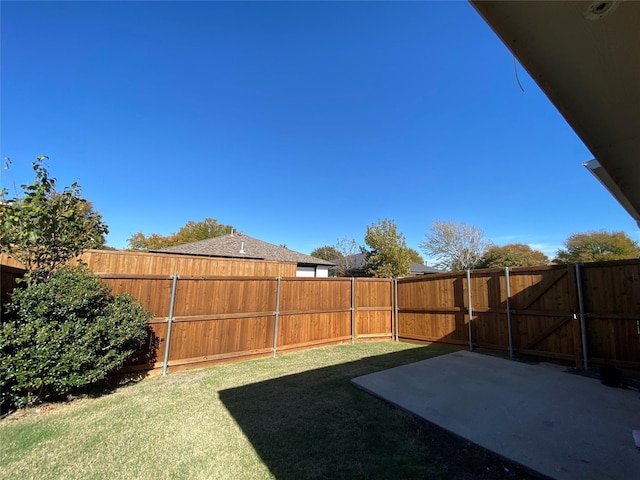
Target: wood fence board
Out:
[433,326]
[199,297]
[218,337]
[308,329]
[490,329]
[315,294]
[374,293]
[548,334]
[374,322]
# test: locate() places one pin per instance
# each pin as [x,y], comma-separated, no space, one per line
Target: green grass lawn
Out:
[293,417]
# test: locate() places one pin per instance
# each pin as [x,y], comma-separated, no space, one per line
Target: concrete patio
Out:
[558,424]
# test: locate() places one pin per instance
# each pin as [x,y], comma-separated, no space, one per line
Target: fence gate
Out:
[545,314]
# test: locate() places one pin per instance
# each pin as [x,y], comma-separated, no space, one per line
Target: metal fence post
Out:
[353,310]
[395,303]
[509,319]
[276,317]
[470,309]
[172,304]
[583,320]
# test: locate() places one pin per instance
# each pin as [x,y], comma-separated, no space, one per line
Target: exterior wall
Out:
[320,271]
[305,271]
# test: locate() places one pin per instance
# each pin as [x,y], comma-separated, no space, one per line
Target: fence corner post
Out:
[583,319]
[395,307]
[172,303]
[507,282]
[353,310]
[470,309]
[276,318]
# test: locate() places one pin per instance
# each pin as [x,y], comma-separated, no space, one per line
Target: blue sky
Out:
[297,122]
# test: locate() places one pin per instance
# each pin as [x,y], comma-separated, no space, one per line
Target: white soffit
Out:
[585,56]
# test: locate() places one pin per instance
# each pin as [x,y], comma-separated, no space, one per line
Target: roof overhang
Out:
[584,56]
[603,177]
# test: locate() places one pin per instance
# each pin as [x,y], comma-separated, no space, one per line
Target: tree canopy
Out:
[598,246]
[342,254]
[455,246]
[190,232]
[388,256]
[512,255]
[327,252]
[44,228]
[415,256]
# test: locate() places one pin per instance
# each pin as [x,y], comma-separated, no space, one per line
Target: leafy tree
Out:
[196,231]
[191,232]
[416,257]
[327,253]
[456,246]
[598,246]
[140,242]
[389,256]
[44,228]
[65,333]
[512,255]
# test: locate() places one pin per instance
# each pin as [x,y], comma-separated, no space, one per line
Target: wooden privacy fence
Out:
[204,320]
[139,263]
[579,313]
[583,314]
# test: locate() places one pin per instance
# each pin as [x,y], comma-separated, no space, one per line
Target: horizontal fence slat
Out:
[221,316]
[375,309]
[219,357]
[541,313]
[614,316]
[133,276]
[374,335]
[618,363]
[432,309]
[313,312]
[434,339]
[541,353]
[327,341]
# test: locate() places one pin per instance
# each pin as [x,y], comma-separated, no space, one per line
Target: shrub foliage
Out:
[65,333]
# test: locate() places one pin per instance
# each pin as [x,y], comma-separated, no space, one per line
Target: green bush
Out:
[65,333]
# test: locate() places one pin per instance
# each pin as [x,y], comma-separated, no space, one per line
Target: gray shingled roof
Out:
[242,246]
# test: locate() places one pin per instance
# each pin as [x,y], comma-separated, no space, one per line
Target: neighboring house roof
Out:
[356,263]
[420,269]
[243,246]
[584,56]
